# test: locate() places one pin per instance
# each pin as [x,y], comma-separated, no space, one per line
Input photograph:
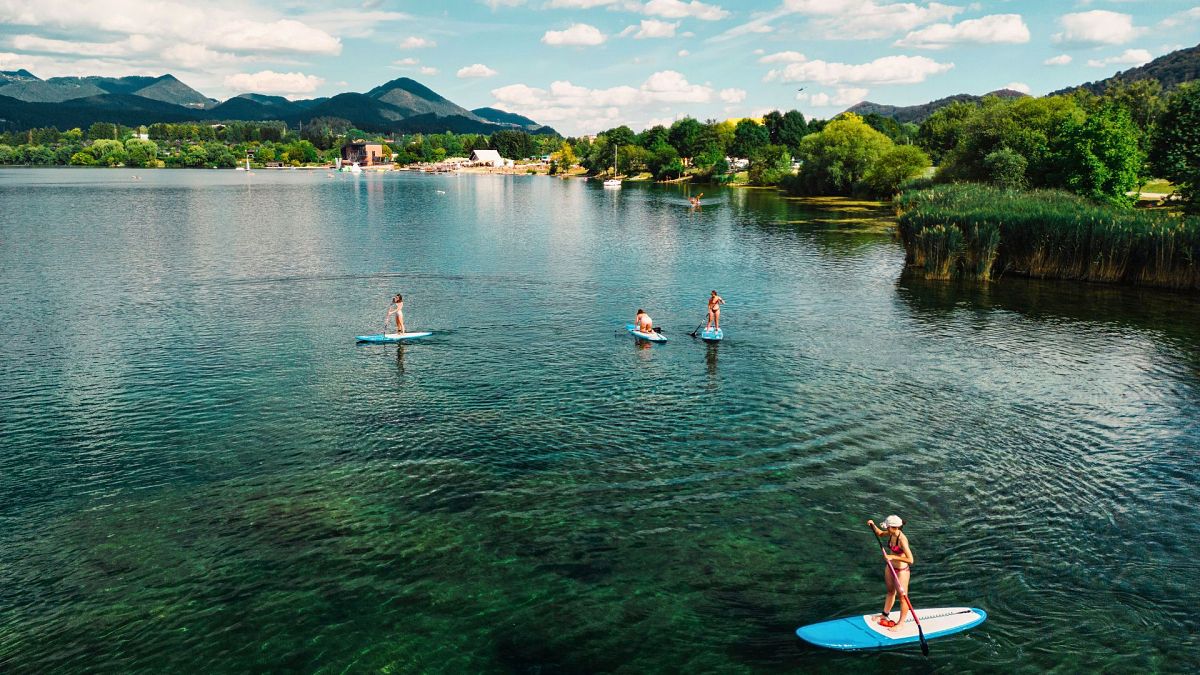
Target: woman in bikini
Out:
[900,558]
[397,308]
[714,311]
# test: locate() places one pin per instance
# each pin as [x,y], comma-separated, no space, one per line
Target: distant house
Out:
[366,154]
[486,158]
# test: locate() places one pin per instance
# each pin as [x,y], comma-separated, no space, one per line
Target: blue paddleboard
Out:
[648,337]
[711,335]
[388,338]
[864,632]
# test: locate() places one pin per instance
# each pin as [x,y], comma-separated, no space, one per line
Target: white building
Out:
[486,158]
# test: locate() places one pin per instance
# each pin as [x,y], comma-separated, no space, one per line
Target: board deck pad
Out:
[864,631]
[649,337]
[712,334]
[386,338]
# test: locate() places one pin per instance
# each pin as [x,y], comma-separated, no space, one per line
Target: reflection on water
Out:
[191,482]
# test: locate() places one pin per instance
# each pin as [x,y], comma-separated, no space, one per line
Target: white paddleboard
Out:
[386,338]
[864,632]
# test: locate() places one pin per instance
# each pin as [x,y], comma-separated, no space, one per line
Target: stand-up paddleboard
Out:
[711,335]
[648,337]
[864,632]
[387,338]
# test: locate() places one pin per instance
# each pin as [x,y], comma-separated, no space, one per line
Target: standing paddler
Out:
[898,556]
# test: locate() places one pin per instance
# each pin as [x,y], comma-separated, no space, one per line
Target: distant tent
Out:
[487,158]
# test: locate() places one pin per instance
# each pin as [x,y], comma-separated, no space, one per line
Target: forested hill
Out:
[1170,69]
[918,113]
[402,105]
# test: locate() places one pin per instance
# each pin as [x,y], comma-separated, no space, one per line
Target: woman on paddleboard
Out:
[899,556]
[714,311]
[643,322]
[397,308]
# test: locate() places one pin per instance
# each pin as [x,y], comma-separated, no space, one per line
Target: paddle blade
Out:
[924,644]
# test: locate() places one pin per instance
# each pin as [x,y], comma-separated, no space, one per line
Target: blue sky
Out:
[585,65]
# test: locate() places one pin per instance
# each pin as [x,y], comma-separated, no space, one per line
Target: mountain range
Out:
[917,113]
[402,105]
[1171,70]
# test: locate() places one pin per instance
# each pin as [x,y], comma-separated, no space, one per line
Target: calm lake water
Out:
[201,472]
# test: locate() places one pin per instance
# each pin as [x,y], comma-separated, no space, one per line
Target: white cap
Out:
[892,521]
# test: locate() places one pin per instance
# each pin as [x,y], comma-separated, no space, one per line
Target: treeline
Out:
[1101,147]
[189,144]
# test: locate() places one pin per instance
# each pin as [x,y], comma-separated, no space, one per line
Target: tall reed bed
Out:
[981,232]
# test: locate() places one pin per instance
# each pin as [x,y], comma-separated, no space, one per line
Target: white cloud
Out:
[579,109]
[405,62]
[429,70]
[682,53]
[884,70]
[651,28]
[475,70]
[848,19]
[134,44]
[1018,86]
[843,97]
[783,57]
[993,29]
[732,95]
[668,9]
[578,34]
[219,25]
[503,3]
[1060,60]
[1183,18]
[678,9]
[1097,27]
[1129,57]
[581,4]
[414,42]
[271,82]
[670,85]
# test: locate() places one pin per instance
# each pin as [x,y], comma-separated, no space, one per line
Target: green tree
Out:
[109,152]
[941,131]
[895,166]
[769,165]
[663,160]
[82,158]
[1027,126]
[302,151]
[792,128]
[621,136]
[7,154]
[632,159]
[1006,169]
[1100,156]
[512,144]
[565,157]
[748,136]
[36,155]
[102,131]
[1175,151]
[195,156]
[652,137]
[141,153]
[833,161]
[687,136]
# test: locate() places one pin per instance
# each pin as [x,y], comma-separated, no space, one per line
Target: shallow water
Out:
[199,469]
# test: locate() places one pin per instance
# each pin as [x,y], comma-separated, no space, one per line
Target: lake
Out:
[200,469]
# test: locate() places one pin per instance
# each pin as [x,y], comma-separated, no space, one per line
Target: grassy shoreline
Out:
[982,233]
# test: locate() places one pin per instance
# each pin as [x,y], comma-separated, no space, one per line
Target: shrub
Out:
[1006,169]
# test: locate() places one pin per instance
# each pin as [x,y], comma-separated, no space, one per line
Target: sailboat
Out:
[613,182]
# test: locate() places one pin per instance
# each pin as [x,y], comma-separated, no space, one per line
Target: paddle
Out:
[903,595]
